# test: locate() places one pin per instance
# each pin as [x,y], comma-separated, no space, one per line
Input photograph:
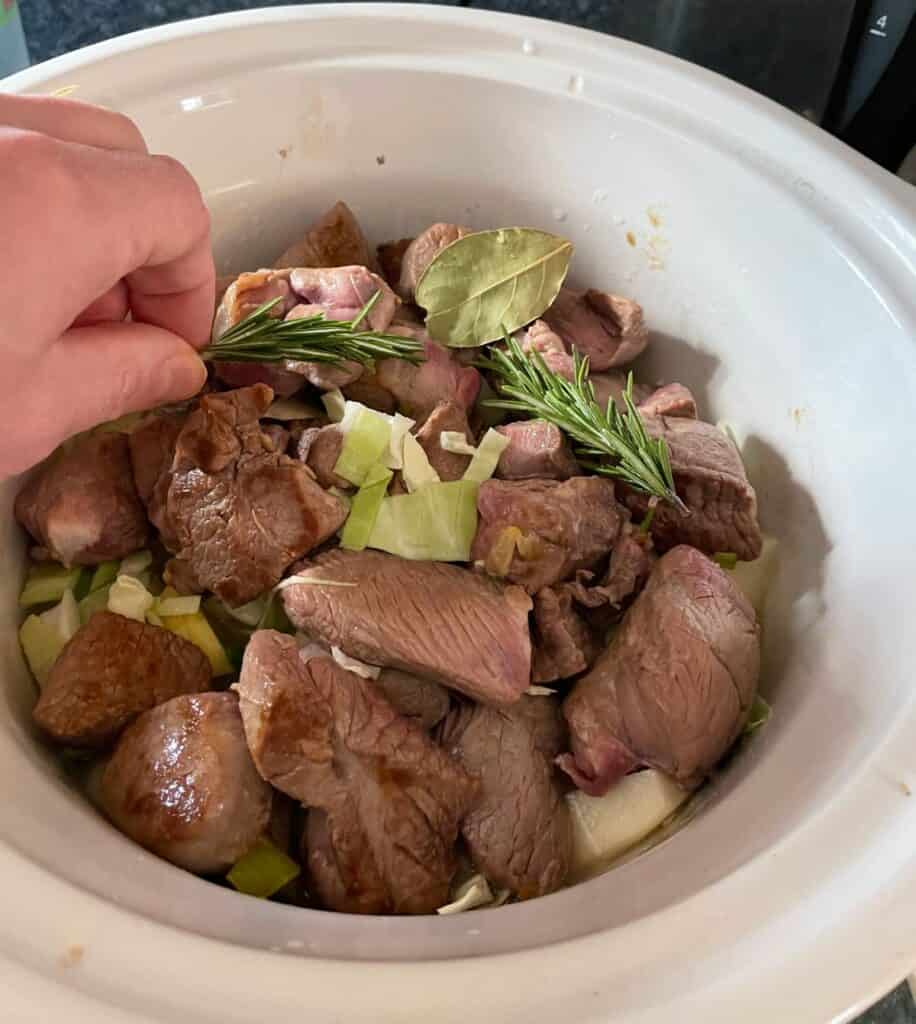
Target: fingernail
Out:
[183,375]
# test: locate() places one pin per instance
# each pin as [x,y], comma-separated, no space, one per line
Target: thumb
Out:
[101,371]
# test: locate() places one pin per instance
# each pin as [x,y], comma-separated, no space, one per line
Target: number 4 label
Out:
[882,21]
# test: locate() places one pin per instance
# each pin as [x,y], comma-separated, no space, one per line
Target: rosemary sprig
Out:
[639,460]
[262,338]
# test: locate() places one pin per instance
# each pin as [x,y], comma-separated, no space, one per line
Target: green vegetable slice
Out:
[128,596]
[135,564]
[41,644]
[486,457]
[759,716]
[95,601]
[46,583]
[364,509]
[436,523]
[105,573]
[263,871]
[166,606]
[367,434]
[725,559]
[490,282]
[416,471]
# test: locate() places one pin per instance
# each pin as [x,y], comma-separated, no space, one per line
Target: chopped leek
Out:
[725,559]
[135,564]
[153,619]
[416,471]
[41,644]
[760,715]
[367,434]
[455,442]
[64,616]
[473,893]
[285,409]
[483,464]
[436,523]
[128,597]
[400,428]
[198,630]
[604,827]
[358,668]
[335,405]
[95,601]
[364,509]
[248,614]
[755,578]
[167,606]
[47,583]
[540,691]
[104,573]
[263,871]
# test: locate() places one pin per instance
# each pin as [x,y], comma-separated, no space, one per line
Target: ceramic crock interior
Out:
[732,264]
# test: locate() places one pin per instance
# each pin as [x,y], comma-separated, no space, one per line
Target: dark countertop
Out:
[53,28]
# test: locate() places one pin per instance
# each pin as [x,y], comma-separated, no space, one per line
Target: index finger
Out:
[104,216]
[71,121]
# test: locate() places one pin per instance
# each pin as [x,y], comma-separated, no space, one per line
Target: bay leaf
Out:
[489,281]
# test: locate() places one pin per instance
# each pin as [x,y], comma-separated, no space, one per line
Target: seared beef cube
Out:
[110,671]
[669,400]
[518,832]
[675,685]
[81,505]
[628,569]
[241,511]
[418,388]
[607,328]
[565,526]
[393,799]
[390,256]
[152,450]
[537,450]
[424,701]
[319,448]
[422,251]
[710,479]
[433,620]
[181,782]
[334,240]
[446,416]
[563,642]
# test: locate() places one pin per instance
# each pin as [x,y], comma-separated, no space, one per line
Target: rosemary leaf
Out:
[609,442]
[260,337]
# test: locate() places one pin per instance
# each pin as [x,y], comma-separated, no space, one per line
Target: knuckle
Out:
[129,134]
[181,179]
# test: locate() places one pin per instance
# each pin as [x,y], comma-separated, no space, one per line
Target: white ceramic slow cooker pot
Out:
[778,273]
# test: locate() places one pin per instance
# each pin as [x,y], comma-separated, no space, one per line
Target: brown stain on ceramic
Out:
[380,159]
[72,956]
[655,218]
[284,151]
[631,239]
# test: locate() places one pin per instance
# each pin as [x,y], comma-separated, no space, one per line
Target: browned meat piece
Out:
[669,400]
[393,799]
[152,449]
[338,293]
[418,389]
[567,526]
[563,643]
[446,416]
[81,504]
[631,561]
[391,258]
[711,480]
[433,620]
[250,290]
[519,831]
[420,699]
[422,251]
[319,449]
[675,685]
[181,782]
[366,389]
[538,337]
[334,240]
[241,511]
[110,671]
[607,328]
[341,292]
[537,450]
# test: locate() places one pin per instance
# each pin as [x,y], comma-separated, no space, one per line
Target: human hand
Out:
[93,228]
